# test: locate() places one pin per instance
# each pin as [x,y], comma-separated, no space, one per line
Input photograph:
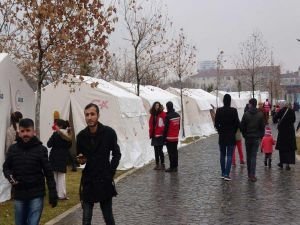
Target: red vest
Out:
[157,129]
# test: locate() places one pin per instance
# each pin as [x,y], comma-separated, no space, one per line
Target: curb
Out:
[118,179]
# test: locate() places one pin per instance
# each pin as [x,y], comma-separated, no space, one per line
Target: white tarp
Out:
[15,95]
[151,94]
[119,109]
[197,117]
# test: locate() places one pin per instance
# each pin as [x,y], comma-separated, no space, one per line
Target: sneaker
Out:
[252,178]
[157,167]
[222,176]
[170,170]
[227,178]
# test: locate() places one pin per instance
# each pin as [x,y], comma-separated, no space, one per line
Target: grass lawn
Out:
[72,179]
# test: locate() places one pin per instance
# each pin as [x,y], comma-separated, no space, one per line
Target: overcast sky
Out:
[214,25]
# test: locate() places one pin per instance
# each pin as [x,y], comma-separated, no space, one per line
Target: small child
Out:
[238,146]
[267,146]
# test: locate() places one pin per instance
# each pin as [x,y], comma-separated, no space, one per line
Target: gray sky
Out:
[214,25]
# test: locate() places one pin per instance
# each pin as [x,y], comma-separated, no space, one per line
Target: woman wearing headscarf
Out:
[286,139]
[13,129]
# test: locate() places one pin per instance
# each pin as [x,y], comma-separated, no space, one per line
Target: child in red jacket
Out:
[267,146]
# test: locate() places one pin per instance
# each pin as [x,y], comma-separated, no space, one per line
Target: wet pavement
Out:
[196,194]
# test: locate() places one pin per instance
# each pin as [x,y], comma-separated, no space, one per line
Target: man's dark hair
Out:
[26,123]
[92,105]
[253,102]
[227,100]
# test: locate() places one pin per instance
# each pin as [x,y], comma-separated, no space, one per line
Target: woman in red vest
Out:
[156,131]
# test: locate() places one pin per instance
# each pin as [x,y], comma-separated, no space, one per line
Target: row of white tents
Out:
[119,106]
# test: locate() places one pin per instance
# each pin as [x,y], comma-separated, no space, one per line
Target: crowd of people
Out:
[27,163]
[254,127]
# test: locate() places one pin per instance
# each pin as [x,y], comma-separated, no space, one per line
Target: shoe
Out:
[252,178]
[227,178]
[222,176]
[288,167]
[233,164]
[162,167]
[157,167]
[280,165]
[242,162]
[65,198]
[170,170]
[266,164]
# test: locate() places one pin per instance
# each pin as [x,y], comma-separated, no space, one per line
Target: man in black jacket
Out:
[253,129]
[94,145]
[26,167]
[226,123]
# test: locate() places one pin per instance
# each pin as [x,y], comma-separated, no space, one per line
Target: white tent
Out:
[119,109]
[197,117]
[151,94]
[15,95]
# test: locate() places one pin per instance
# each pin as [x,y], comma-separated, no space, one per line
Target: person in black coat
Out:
[60,144]
[226,123]
[95,144]
[286,139]
[26,168]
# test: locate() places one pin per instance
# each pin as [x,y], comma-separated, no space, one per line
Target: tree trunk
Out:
[182,110]
[38,109]
[253,86]
[138,80]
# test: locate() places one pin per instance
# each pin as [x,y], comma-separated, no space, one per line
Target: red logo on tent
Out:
[101,103]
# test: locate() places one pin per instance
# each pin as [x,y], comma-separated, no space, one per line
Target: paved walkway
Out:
[196,195]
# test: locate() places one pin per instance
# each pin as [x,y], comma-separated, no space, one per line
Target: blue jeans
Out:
[226,158]
[106,208]
[28,212]
[252,145]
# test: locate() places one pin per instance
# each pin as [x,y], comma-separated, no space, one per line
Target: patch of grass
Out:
[189,140]
[73,181]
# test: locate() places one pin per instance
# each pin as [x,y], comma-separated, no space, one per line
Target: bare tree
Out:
[59,37]
[146,26]
[181,60]
[252,59]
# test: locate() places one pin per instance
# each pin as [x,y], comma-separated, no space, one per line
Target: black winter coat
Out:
[253,124]
[227,122]
[28,164]
[97,176]
[59,152]
[286,139]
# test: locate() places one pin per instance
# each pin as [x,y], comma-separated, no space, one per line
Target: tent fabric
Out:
[119,109]
[15,95]
[151,94]
[197,117]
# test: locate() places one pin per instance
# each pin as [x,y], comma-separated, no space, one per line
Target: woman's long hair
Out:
[153,110]
[15,118]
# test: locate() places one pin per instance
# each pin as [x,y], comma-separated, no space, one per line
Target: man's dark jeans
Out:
[173,154]
[106,208]
[252,145]
[226,158]
[28,212]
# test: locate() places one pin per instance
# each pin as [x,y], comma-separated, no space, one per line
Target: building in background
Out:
[207,65]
